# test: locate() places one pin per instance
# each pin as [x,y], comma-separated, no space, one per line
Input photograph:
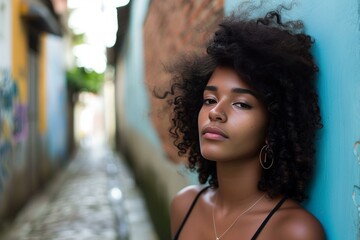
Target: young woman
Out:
[246,114]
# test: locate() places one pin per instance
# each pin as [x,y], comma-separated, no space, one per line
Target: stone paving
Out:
[94,197]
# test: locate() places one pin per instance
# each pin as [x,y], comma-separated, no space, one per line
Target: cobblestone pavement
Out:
[94,197]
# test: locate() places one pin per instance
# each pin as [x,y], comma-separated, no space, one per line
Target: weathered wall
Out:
[33,110]
[13,109]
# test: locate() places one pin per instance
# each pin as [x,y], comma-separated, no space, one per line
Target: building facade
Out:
[33,101]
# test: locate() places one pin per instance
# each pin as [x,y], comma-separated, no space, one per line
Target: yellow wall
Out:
[19,51]
[42,84]
[20,61]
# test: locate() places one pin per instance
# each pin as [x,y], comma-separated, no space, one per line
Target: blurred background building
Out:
[46,112]
[34,124]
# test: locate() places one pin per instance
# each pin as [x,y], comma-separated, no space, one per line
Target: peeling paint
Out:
[356,189]
[357,151]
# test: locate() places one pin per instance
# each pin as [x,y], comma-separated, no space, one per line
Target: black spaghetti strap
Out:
[189,212]
[268,218]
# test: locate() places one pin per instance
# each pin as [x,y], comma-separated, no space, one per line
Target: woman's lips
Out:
[214,133]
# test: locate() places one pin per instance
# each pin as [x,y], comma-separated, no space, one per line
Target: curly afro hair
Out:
[274,58]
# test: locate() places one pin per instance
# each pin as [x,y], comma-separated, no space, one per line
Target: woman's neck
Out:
[238,183]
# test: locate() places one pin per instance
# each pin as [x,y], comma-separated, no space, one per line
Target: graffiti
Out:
[13,121]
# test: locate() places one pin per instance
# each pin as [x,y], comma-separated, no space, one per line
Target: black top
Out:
[257,233]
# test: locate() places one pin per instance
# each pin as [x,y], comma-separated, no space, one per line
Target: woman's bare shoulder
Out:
[183,199]
[296,223]
[181,204]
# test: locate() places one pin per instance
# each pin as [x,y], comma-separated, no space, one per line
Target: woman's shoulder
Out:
[296,223]
[181,204]
[184,198]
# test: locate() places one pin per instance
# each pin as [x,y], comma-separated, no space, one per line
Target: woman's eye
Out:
[208,101]
[242,105]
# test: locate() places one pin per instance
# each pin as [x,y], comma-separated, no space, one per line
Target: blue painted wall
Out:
[56,93]
[135,94]
[335,25]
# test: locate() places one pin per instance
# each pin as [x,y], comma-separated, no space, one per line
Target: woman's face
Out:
[232,120]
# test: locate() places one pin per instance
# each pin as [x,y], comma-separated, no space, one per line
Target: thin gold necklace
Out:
[236,219]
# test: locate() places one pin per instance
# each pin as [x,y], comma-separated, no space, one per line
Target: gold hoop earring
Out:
[266,151]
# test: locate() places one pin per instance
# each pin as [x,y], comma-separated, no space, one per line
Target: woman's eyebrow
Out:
[211,88]
[244,90]
[235,90]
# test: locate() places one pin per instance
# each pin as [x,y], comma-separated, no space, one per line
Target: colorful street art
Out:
[13,122]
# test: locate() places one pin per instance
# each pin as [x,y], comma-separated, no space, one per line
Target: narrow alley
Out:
[94,197]
[87,147]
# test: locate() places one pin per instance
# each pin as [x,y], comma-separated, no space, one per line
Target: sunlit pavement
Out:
[94,197]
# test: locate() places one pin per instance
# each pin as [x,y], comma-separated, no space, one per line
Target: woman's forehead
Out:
[226,76]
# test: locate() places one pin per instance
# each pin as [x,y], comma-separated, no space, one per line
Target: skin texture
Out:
[237,113]
[290,222]
[232,125]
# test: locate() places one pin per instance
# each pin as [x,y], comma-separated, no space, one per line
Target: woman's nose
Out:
[216,114]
